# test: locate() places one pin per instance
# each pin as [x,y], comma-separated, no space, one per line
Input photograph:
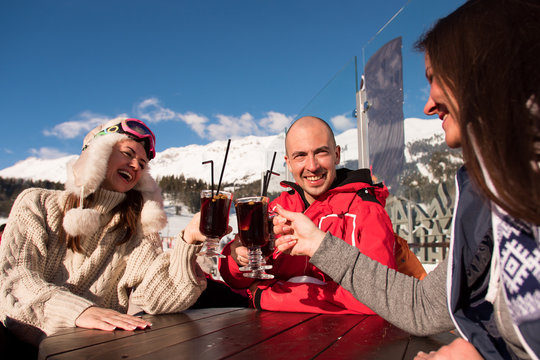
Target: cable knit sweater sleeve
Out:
[164,282]
[29,254]
[417,306]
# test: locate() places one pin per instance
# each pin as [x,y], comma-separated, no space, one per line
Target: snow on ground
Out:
[175,223]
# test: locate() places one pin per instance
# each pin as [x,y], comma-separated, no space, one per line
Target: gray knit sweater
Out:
[44,286]
[418,307]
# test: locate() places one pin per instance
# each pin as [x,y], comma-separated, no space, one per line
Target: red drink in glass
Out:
[252,215]
[214,213]
[214,222]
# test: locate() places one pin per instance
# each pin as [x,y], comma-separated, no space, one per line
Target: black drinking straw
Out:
[272,165]
[223,168]
[265,179]
[269,173]
[211,173]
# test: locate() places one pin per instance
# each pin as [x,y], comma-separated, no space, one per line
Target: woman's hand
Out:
[239,253]
[106,319]
[457,349]
[299,236]
[192,235]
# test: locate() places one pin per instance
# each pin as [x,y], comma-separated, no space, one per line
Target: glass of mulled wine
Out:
[252,216]
[214,222]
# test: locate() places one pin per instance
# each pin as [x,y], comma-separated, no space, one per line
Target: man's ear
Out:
[338,154]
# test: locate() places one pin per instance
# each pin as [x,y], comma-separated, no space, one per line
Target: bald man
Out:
[343,201]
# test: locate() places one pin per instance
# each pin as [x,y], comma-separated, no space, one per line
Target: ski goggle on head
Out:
[137,130]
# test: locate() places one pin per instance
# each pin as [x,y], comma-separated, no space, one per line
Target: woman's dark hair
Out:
[129,210]
[487,54]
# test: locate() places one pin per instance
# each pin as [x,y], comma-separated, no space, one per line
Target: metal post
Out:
[410,221]
[362,125]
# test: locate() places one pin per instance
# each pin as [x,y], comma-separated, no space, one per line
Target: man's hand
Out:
[457,349]
[106,319]
[239,252]
[299,235]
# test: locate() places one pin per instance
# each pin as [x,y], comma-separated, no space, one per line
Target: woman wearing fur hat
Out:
[77,257]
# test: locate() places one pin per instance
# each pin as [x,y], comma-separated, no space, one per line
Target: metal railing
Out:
[426,227]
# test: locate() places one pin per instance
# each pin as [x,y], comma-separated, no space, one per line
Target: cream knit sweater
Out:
[44,286]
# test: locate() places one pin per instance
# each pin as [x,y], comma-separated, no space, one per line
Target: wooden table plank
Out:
[86,338]
[317,334]
[226,342]
[373,338]
[427,344]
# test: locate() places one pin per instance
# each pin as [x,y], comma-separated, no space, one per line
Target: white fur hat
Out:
[85,175]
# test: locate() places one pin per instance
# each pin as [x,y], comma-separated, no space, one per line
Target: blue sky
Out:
[195,71]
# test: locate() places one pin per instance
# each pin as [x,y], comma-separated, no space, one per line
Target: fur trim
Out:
[81,222]
[148,187]
[90,169]
[153,217]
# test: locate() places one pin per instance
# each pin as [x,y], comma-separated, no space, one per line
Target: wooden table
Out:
[240,333]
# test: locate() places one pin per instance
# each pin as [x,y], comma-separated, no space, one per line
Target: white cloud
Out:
[219,128]
[152,111]
[196,122]
[47,153]
[275,122]
[231,126]
[84,122]
[148,102]
[342,122]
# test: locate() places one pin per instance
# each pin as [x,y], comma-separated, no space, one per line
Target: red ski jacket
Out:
[350,210]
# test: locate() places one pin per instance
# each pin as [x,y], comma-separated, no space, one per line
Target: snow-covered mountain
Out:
[247,160]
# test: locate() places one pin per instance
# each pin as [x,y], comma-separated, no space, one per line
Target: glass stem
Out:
[255,258]
[212,245]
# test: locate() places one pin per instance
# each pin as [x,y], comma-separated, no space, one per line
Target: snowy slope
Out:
[248,157]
